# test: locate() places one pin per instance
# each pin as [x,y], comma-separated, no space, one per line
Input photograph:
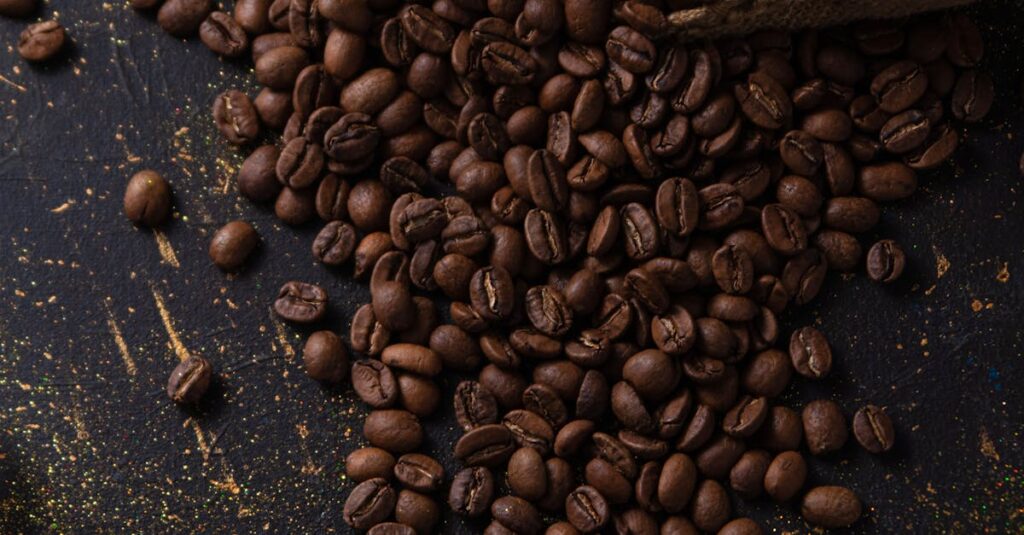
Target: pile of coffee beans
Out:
[617,219]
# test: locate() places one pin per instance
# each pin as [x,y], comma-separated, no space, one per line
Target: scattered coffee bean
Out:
[301,302]
[831,507]
[189,380]
[232,245]
[885,261]
[873,429]
[147,199]
[325,357]
[41,41]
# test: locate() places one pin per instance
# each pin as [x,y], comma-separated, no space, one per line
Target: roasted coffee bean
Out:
[368,463]
[824,427]
[545,237]
[232,245]
[471,492]
[783,229]
[375,383]
[905,132]
[746,477]
[677,206]
[722,206]
[652,374]
[841,250]
[785,476]
[631,50]
[474,406]
[586,509]
[182,18]
[485,445]
[274,109]
[767,373]
[300,302]
[147,199]
[801,152]
[412,358]
[935,150]
[746,417]
[397,431]
[873,429]
[972,96]
[295,206]
[505,63]
[527,475]
[517,515]
[236,117]
[190,380]
[810,353]
[831,507]
[529,430]
[965,47]
[300,164]
[885,261]
[335,243]
[369,503]
[41,41]
[325,357]
[709,508]
[427,29]
[223,35]
[546,177]
[419,472]
[257,178]
[279,67]
[764,101]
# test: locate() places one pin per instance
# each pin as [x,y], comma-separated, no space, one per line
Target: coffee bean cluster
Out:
[618,220]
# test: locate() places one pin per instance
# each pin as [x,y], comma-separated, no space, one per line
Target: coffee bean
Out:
[471,492]
[831,507]
[783,229]
[223,35]
[747,476]
[182,18]
[631,50]
[41,41]
[824,427]
[190,380]
[972,96]
[300,302]
[375,383]
[529,430]
[147,199]
[325,357]
[801,152]
[873,429]
[257,178]
[368,463]
[396,431]
[764,101]
[905,132]
[279,67]
[427,29]
[527,475]
[517,515]
[236,117]
[369,503]
[485,445]
[419,472]
[232,245]
[586,509]
[965,47]
[335,243]
[710,506]
[785,476]
[885,261]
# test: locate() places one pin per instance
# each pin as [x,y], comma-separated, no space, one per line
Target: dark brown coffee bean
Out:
[785,476]
[278,68]
[873,429]
[630,49]
[801,152]
[485,445]
[471,492]
[722,206]
[744,419]
[783,229]
[746,477]
[412,358]
[767,373]
[393,305]
[810,352]
[699,429]
[886,182]
[677,206]
[764,101]
[397,431]
[236,118]
[517,515]
[831,507]
[369,503]
[147,199]
[824,427]
[781,431]
[300,164]
[639,232]
[710,506]
[547,181]
[375,383]
[300,302]
[232,245]
[257,178]
[368,463]
[182,18]
[964,44]
[885,261]
[505,63]
[936,149]
[325,357]
[527,475]
[190,380]
[529,430]
[223,35]
[972,97]
[545,237]
[899,86]
[586,509]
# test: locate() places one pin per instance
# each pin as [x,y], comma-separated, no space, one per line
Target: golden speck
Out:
[976,305]
[942,263]
[1004,273]
[988,448]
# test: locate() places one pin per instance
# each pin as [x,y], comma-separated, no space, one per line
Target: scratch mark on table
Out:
[179,348]
[122,346]
[166,250]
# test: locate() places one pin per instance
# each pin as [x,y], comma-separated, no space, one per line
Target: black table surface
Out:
[94,313]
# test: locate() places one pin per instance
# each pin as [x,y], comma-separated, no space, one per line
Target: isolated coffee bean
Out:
[885,261]
[873,429]
[232,245]
[147,199]
[972,96]
[41,41]
[325,357]
[831,507]
[190,380]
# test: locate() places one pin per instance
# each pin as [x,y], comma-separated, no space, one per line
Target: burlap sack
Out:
[740,17]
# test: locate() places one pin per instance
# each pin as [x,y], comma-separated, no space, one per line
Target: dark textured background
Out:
[94,314]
